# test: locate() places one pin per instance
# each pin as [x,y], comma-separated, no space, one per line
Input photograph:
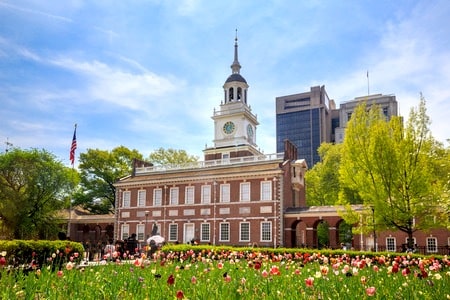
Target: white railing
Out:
[211,163]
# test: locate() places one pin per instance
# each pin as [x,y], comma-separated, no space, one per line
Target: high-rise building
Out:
[305,120]
[387,104]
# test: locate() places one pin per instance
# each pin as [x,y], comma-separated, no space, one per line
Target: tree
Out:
[390,167]
[323,179]
[99,170]
[33,188]
[170,156]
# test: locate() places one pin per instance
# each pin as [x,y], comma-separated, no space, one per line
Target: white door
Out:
[188,232]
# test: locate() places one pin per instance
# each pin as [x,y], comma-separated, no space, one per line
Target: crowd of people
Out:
[130,247]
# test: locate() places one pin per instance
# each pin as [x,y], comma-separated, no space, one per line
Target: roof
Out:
[235,77]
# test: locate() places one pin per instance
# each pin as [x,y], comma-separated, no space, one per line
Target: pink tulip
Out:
[370,291]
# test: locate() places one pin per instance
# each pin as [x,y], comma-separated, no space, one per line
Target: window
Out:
[140,229]
[244,232]
[224,193]
[205,232]
[266,231]
[206,194]
[173,232]
[173,196]
[224,234]
[126,196]
[157,197]
[245,192]
[386,112]
[266,190]
[189,195]
[391,244]
[431,245]
[125,231]
[141,198]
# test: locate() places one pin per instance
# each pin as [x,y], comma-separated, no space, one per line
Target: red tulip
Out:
[170,280]
[180,294]
[309,281]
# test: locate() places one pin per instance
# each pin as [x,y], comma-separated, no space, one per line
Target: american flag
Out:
[73,147]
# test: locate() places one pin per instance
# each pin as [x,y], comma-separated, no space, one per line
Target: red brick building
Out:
[238,195]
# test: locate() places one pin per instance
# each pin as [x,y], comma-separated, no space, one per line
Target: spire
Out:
[236,66]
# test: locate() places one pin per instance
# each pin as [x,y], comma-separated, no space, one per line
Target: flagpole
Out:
[368,93]
[73,147]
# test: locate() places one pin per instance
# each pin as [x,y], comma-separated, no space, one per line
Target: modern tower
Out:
[387,103]
[305,120]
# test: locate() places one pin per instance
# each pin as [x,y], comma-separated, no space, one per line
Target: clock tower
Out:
[234,122]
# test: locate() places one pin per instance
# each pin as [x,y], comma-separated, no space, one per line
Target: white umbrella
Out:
[157,238]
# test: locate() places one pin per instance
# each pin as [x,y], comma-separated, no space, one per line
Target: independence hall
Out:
[236,196]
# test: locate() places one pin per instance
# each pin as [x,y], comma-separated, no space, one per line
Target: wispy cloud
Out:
[131,90]
[35,12]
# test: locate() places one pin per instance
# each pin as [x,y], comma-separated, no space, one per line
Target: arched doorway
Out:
[345,235]
[298,234]
[322,234]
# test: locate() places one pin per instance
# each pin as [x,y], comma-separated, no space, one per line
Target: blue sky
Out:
[148,74]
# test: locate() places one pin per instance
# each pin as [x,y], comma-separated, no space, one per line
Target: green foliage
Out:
[33,187]
[39,252]
[180,272]
[99,170]
[323,179]
[393,169]
[170,156]
[323,236]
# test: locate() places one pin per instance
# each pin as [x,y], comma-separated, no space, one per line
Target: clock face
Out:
[228,127]
[250,131]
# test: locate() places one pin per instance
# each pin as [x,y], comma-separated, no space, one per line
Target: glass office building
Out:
[305,120]
[311,118]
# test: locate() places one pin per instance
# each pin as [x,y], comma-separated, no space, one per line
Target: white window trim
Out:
[157,201]
[206,198]
[141,198]
[201,232]
[240,232]
[189,195]
[435,244]
[394,244]
[173,195]
[173,225]
[140,231]
[225,191]
[261,231]
[125,231]
[126,199]
[220,232]
[245,185]
[269,192]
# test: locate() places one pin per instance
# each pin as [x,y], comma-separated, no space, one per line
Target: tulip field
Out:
[228,274]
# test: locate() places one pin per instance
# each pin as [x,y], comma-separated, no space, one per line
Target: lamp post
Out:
[374,230]
[146,219]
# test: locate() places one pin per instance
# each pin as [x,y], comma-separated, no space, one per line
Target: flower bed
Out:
[217,273]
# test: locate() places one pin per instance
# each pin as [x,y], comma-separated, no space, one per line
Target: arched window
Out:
[239,94]
[231,94]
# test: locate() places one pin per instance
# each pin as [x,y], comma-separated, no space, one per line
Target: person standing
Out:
[132,244]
